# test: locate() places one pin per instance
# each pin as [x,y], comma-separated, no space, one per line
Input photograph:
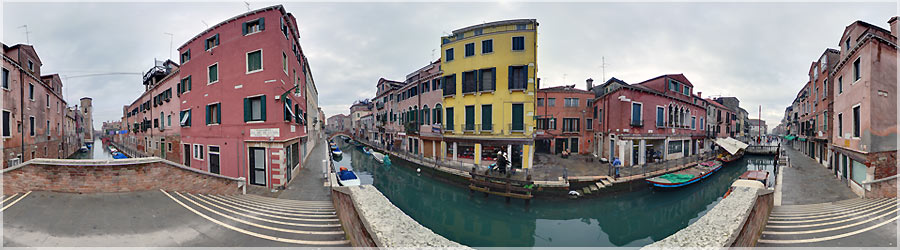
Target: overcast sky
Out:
[758,52]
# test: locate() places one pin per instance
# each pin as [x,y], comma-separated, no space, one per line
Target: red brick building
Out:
[152,120]
[34,110]
[565,120]
[245,115]
[657,119]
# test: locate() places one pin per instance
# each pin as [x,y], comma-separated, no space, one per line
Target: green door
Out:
[470,118]
[518,117]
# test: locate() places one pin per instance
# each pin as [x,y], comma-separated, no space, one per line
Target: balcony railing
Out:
[516,128]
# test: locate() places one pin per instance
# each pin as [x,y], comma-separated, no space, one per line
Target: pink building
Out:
[419,103]
[386,110]
[565,120]
[865,105]
[245,117]
[724,124]
[152,119]
[657,119]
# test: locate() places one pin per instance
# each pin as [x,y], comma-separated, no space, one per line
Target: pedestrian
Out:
[616,163]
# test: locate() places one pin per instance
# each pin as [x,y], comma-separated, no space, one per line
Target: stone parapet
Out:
[108,176]
[386,224]
[722,225]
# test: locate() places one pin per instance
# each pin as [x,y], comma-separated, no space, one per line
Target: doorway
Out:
[258,166]
[187,155]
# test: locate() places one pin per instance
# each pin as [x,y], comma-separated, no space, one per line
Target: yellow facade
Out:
[502,99]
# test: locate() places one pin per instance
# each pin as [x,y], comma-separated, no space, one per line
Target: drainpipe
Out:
[21,99]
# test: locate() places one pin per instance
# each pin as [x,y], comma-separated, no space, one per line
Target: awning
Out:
[288,107]
[789,137]
[731,145]
[184,119]
[802,139]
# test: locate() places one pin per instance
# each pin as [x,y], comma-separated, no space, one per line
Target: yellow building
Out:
[489,81]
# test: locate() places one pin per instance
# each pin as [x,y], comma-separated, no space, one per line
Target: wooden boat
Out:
[378,157]
[756,175]
[725,157]
[347,177]
[687,176]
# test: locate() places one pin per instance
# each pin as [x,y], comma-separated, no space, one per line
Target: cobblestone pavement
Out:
[309,184]
[808,182]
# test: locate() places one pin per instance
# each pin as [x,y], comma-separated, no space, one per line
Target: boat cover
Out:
[346,175]
[677,178]
[731,145]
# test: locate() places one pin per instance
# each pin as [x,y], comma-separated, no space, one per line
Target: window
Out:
[847,45]
[449,123]
[551,102]
[487,46]
[198,151]
[437,114]
[31,126]
[660,114]
[449,84]
[30,66]
[570,125]
[540,102]
[856,70]
[185,85]
[254,26]
[589,124]
[186,56]
[701,123]
[185,118]
[487,79]
[840,125]
[673,86]
[470,49]
[213,71]
[571,102]
[518,43]
[449,55]
[693,122]
[520,27]
[856,118]
[858,172]
[636,114]
[518,77]
[687,91]
[479,32]
[48,101]
[255,108]
[469,81]
[7,124]
[214,113]
[284,64]
[213,159]
[5,78]
[486,118]
[212,42]
[518,117]
[254,61]
[470,118]
[31,91]
[257,165]
[47,128]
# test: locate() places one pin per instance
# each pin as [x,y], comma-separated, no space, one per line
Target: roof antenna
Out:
[171,37]
[26,33]
[204,23]
[248,5]
[603,66]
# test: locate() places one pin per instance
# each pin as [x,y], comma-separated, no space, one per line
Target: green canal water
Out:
[631,219]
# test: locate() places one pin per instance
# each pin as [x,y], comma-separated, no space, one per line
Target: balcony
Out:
[411,128]
[637,123]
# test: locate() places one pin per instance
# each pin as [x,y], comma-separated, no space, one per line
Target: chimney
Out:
[893,23]
[590,84]
[700,94]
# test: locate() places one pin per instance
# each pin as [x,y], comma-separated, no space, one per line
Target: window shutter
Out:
[189,83]
[219,113]
[217,39]
[246,109]
[524,77]
[262,23]
[287,114]
[189,117]
[207,114]
[296,114]
[510,81]
[262,105]
[478,80]
[494,79]
[206,46]
[244,28]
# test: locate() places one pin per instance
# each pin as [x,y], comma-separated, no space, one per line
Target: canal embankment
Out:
[553,188]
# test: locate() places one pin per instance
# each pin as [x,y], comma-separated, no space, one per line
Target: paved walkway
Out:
[166,219]
[309,184]
[820,211]
[808,182]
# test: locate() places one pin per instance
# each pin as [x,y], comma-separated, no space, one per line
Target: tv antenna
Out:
[204,23]
[603,67]
[171,37]
[26,33]
[248,5]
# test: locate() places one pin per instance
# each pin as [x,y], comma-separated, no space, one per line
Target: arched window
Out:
[425,115]
[437,114]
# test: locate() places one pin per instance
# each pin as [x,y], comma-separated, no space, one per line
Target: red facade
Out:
[565,120]
[242,94]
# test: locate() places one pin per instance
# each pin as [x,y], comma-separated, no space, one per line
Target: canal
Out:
[97,151]
[630,219]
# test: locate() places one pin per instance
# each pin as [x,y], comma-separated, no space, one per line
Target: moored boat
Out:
[347,177]
[367,150]
[378,157]
[685,176]
[336,151]
[732,149]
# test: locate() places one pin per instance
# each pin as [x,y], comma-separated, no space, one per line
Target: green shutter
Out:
[244,28]
[287,114]
[262,105]
[219,113]
[493,78]
[486,123]
[296,115]
[246,109]
[217,39]
[509,82]
[262,23]
[524,77]
[518,117]
[207,115]
[189,118]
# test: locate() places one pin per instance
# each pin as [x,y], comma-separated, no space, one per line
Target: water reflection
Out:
[98,151]
[629,219]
